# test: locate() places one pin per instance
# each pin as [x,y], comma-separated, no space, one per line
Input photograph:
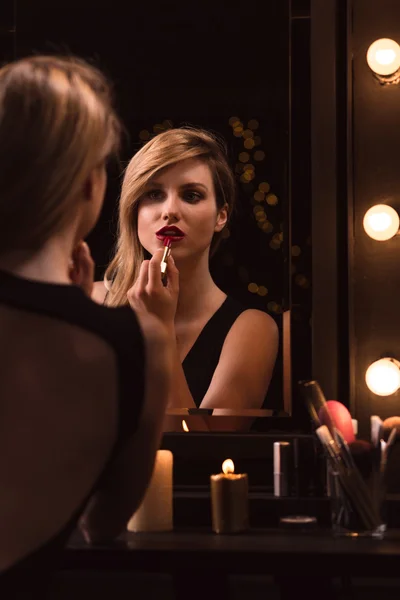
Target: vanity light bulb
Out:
[383,57]
[381,222]
[383,376]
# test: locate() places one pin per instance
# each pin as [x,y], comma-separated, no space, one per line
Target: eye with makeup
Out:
[155,194]
[192,196]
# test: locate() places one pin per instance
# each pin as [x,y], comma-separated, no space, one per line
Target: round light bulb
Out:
[383,376]
[381,222]
[383,57]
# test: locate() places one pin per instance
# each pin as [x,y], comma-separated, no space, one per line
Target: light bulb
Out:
[381,222]
[383,57]
[383,376]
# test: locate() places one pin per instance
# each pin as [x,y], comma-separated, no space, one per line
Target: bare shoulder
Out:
[99,292]
[253,328]
[257,322]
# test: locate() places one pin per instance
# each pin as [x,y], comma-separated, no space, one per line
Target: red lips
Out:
[170,231]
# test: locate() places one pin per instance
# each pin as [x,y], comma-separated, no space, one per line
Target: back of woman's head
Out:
[56,125]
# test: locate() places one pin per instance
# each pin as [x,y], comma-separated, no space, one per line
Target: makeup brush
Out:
[331,413]
[388,425]
[167,252]
[339,456]
[390,456]
[376,430]
[314,398]
[390,459]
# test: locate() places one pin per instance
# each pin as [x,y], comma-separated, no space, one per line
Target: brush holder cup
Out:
[357,509]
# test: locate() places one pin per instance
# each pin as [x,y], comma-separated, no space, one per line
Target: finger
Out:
[76,251]
[155,269]
[76,257]
[74,272]
[143,278]
[172,276]
[86,263]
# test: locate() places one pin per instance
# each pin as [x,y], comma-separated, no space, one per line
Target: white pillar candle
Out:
[155,513]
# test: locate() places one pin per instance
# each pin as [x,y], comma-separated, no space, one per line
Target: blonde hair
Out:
[164,150]
[56,124]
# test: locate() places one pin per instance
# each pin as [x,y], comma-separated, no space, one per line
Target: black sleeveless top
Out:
[202,359]
[119,328]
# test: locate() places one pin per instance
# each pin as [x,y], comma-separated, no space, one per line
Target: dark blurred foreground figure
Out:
[83,387]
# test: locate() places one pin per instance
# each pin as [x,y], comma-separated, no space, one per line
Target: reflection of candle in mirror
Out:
[229,500]
[155,512]
[184,425]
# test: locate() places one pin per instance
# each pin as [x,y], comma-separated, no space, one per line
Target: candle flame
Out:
[184,425]
[228,466]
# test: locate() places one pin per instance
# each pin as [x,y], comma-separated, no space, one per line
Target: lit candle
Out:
[229,500]
[155,513]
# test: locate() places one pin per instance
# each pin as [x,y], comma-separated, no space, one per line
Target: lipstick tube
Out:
[281,468]
[167,252]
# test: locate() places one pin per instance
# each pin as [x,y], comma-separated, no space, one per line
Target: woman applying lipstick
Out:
[178,191]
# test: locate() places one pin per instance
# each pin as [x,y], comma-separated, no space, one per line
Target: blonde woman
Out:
[83,387]
[179,185]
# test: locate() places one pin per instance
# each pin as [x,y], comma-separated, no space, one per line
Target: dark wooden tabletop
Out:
[259,551]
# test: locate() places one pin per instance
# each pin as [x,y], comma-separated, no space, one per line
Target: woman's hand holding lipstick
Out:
[149,294]
[81,268]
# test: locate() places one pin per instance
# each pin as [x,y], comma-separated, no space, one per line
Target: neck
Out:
[49,264]
[197,291]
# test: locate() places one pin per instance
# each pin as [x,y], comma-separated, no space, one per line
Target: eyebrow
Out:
[183,186]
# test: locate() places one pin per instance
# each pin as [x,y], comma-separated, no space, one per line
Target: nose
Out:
[171,208]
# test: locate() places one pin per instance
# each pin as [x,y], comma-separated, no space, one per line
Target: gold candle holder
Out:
[229,500]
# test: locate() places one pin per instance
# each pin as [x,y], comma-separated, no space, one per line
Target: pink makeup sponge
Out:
[335,414]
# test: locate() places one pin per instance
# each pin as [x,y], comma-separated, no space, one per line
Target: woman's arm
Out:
[113,505]
[180,396]
[245,368]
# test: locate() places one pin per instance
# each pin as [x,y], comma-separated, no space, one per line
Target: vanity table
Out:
[201,563]
[297,561]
